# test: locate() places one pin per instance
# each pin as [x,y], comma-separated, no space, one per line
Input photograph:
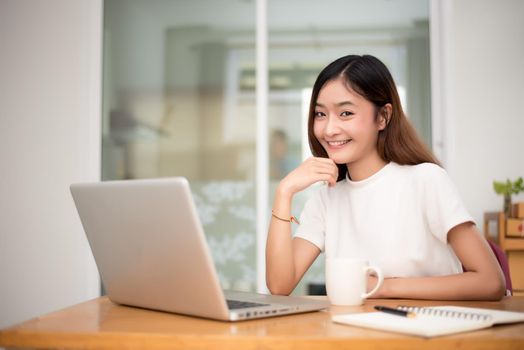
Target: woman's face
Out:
[345,123]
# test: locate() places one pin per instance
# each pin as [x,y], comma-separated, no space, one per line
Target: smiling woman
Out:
[388,202]
[344,123]
[355,98]
[302,42]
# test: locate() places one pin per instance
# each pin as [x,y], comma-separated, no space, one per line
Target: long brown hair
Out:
[370,78]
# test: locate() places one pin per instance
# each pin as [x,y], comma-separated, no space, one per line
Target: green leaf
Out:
[500,187]
[507,188]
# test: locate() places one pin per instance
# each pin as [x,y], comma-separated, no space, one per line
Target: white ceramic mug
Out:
[347,279]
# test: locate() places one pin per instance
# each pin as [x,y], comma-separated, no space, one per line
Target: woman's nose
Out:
[332,127]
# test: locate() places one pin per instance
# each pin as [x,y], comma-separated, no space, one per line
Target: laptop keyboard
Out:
[237,304]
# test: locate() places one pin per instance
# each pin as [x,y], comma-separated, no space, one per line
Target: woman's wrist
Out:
[383,290]
[282,202]
[387,290]
[284,192]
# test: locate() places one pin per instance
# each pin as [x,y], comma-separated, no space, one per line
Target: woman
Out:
[387,199]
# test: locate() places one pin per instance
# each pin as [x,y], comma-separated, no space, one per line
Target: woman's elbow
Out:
[495,289]
[278,289]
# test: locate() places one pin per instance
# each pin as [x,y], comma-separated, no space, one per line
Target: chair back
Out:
[504,265]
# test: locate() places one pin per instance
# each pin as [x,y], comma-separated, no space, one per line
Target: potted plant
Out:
[507,189]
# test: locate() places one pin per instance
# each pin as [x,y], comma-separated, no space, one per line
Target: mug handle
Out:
[379,282]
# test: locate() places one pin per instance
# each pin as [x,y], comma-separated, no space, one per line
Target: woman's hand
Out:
[313,169]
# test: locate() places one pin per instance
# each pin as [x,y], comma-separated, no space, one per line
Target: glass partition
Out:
[179,98]
[172,107]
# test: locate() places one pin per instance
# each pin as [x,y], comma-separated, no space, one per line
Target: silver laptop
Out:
[151,252]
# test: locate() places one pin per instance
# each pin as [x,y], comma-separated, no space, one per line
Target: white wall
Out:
[49,138]
[486,81]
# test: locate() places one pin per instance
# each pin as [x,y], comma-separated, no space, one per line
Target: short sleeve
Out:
[443,207]
[312,226]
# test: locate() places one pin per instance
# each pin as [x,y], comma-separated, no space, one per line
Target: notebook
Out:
[431,321]
[151,251]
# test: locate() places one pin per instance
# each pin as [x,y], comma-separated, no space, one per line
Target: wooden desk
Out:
[100,324]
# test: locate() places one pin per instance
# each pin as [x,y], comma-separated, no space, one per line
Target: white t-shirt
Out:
[397,219]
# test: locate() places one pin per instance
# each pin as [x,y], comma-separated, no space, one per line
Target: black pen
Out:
[397,312]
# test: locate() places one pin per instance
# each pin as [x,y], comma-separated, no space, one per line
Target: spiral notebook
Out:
[431,321]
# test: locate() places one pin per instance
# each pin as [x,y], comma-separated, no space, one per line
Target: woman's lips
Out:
[337,144]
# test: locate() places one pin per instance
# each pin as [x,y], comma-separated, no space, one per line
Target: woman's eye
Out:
[319,114]
[346,114]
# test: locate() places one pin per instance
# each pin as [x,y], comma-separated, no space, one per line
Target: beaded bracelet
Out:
[291,219]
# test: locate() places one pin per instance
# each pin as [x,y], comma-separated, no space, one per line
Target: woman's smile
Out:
[337,144]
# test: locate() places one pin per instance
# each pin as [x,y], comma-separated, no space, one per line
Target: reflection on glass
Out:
[282,159]
[174,105]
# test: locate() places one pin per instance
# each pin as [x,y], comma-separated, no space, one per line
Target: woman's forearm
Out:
[463,286]
[280,274]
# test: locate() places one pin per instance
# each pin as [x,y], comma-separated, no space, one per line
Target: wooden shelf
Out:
[513,244]
[506,243]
